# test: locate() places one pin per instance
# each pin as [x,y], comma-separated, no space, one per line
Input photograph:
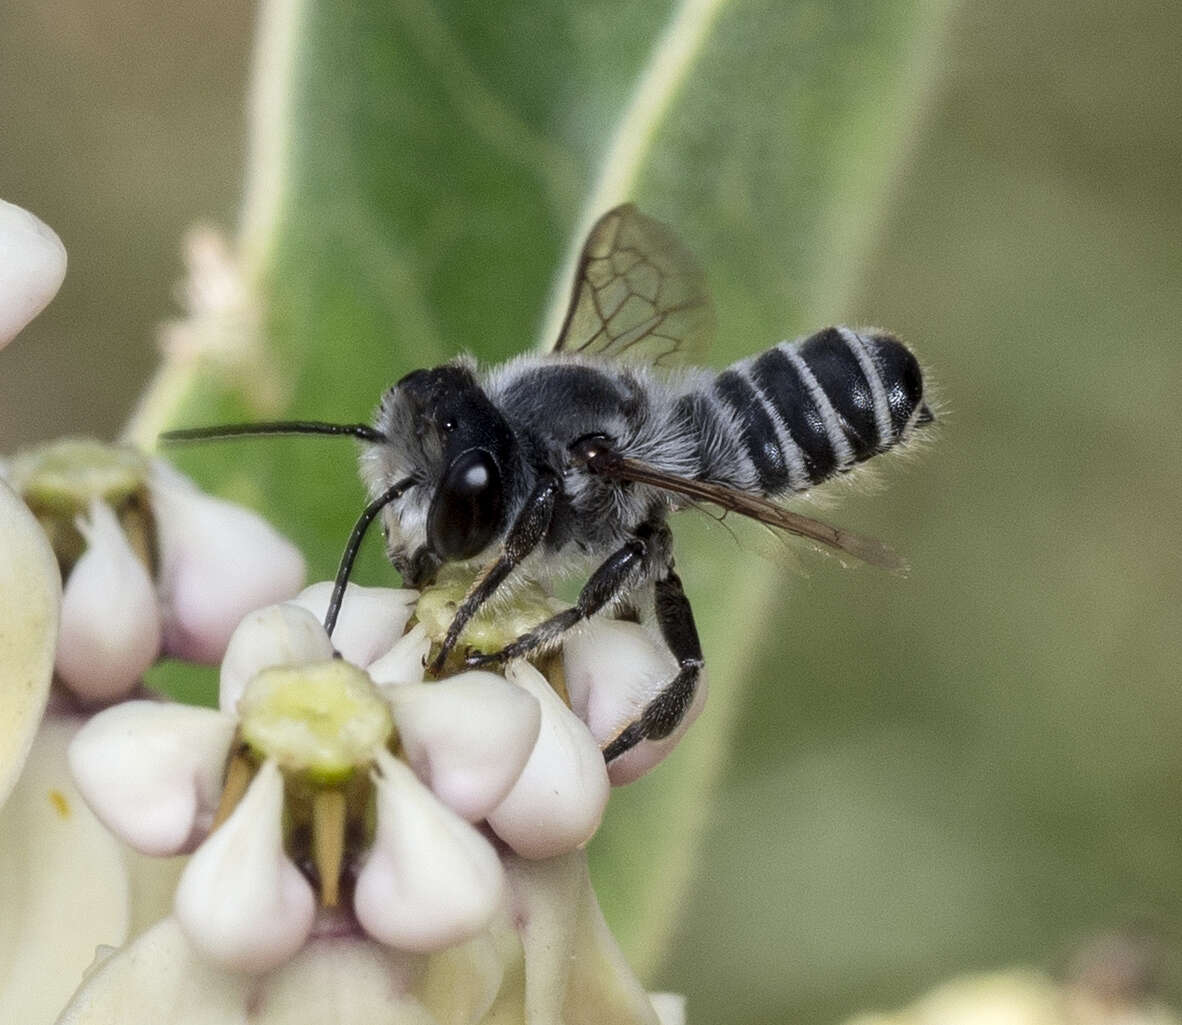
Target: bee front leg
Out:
[661,716]
[524,536]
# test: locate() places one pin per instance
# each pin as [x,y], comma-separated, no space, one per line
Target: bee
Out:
[574,459]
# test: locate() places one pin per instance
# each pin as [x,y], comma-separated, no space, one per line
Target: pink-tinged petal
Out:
[613,670]
[30,595]
[558,800]
[63,885]
[370,621]
[278,635]
[467,737]
[110,632]
[405,661]
[431,880]
[241,902]
[32,267]
[152,772]
[219,561]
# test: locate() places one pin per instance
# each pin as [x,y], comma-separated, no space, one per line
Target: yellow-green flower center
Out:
[59,480]
[498,623]
[323,720]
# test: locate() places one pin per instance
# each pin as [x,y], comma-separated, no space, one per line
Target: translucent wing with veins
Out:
[638,294]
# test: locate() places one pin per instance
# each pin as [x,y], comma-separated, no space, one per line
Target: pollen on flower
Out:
[324,719]
[60,803]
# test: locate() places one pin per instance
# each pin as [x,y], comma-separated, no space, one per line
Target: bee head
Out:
[441,430]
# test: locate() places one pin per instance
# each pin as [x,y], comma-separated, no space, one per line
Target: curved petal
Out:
[278,635]
[405,661]
[467,737]
[153,772]
[431,880]
[346,980]
[613,670]
[219,561]
[63,885]
[371,618]
[110,631]
[557,802]
[242,903]
[670,1007]
[32,267]
[30,594]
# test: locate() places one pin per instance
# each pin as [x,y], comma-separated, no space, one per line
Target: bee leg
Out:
[620,573]
[662,715]
[524,536]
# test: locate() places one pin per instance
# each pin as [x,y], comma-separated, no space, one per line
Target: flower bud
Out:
[557,802]
[152,772]
[32,267]
[431,880]
[241,902]
[467,737]
[110,630]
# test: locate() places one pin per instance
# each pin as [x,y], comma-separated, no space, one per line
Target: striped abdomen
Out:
[814,408]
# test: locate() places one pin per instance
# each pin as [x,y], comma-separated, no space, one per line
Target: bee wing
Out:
[638,294]
[760,509]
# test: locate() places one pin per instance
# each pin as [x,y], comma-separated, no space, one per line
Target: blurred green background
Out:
[974,766]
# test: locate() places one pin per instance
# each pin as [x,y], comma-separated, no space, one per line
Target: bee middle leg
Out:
[619,574]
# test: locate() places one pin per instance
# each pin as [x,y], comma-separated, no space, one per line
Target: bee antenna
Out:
[271,427]
[354,543]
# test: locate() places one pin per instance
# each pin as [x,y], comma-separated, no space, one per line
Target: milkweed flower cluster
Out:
[151,564]
[350,824]
[351,780]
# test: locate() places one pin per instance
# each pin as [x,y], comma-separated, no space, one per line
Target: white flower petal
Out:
[575,971]
[467,737]
[461,983]
[431,880]
[32,267]
[63,885]
[30,593]
[160,978]
[242,903]
[153,772]
[219,561]
[405,661]
[278,635]
[558,800]
[670,1007]
[613,670]
[370,621]
[110,632]
[543,898]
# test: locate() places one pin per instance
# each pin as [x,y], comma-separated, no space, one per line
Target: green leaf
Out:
[420,173]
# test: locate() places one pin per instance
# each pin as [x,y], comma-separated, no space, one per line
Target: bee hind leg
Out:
[664,713]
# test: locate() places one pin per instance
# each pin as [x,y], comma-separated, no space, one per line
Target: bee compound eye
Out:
[467,509]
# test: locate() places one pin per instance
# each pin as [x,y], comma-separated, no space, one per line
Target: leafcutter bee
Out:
[574,458]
